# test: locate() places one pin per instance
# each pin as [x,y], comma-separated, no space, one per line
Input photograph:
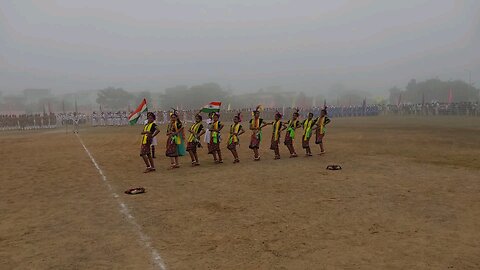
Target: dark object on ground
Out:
[334,167]
[134,191]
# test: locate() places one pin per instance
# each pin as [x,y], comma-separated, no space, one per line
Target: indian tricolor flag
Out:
[133,117]
[213,106]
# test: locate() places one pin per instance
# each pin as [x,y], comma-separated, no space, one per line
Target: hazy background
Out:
[308,46]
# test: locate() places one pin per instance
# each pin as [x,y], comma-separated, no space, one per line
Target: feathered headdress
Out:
[257,109]
[174,112]
[296,112]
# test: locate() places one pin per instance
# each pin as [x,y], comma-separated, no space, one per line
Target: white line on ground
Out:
[143,238]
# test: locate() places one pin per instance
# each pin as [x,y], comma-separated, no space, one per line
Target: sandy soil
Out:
[407,198]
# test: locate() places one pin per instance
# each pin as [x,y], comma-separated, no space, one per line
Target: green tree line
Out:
[434,90]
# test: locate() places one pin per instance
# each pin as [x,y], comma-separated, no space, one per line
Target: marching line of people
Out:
[27,121]
[176,139]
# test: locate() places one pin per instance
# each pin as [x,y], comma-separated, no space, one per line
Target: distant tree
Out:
[434,90]
[412,85]
[279,100]
[302,101]
[351,98]
[13,103]
[43,105]
[194,97]
[394,94]
[204,93]
[114,98]
[173,96]
[345,96]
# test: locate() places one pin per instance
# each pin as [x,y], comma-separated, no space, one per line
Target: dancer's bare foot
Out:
[149,169]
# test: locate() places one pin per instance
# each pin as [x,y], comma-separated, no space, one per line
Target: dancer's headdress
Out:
[174,112]
[239,116]
[296,112]
[257,109]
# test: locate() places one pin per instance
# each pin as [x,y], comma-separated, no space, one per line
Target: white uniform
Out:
[207,130]
[76,121]
[165,117]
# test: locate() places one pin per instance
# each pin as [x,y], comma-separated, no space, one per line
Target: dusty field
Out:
[407,198]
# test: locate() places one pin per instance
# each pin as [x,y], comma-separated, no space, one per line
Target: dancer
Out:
[214,146]
[256,125]
[276,130]
[175,147]
[149,132]
[154,140]
[321,122]
[307,133]
[291,126]
[196,131]
[235,131]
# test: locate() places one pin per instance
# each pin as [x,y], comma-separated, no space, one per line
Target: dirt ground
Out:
[407,198]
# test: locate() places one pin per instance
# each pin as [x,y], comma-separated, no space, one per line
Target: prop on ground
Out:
[334,167]
[134,191]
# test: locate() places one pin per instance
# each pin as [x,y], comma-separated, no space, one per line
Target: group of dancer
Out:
[175,145]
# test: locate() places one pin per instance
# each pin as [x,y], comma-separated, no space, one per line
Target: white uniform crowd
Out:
[120,118]
[109,118]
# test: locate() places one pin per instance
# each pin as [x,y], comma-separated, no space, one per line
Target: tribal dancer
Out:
[154,140]
[149,132]
[235,131]
[291,126]
[214,146]
[277,129]
[307,133]
[321,122]
[175,140]
[196,131]
[256,125]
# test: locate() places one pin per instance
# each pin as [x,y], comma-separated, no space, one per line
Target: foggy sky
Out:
[246,45]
